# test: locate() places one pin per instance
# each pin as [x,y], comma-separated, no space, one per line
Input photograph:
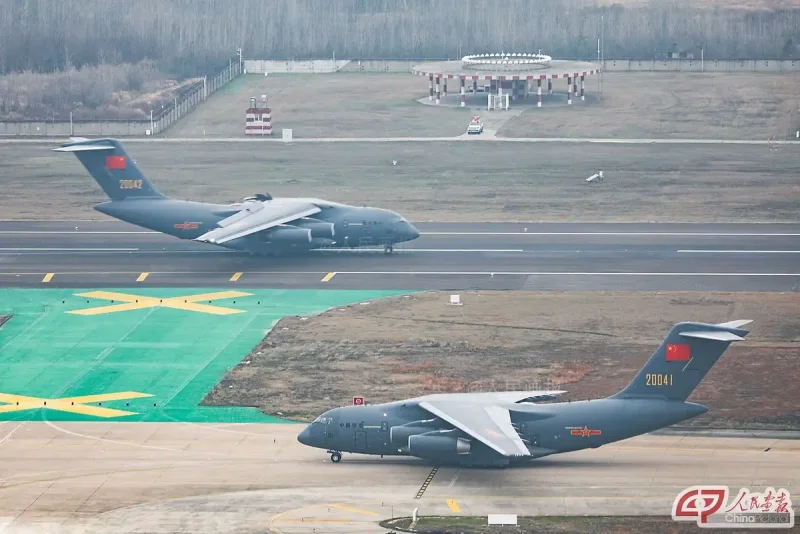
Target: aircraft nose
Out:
[413,233]
[304,437]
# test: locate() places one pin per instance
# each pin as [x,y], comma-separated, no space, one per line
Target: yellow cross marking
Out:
[137,302]
[79,405]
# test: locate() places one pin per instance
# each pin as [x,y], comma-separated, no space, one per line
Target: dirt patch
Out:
[4,319]
[590,344]
[547,525]
[436,181]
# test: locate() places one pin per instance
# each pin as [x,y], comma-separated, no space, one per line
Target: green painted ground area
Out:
[175,350]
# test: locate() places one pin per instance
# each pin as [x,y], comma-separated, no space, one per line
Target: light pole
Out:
[239,53]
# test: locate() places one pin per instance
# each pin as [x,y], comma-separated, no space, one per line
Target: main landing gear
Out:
[388,249]
[336,456]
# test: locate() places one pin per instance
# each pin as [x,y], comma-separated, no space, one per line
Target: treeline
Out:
[119,91]
[195,37]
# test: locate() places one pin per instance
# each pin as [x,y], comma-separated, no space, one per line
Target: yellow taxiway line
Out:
[142,277]
[453,505]
[327,277]
[236,276]
[48,277]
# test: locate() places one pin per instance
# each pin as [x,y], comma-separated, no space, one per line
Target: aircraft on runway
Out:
[258,225]
[497,429]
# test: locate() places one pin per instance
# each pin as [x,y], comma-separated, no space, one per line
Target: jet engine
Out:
[287,234]
[398,435]
[432,446]
[318,228]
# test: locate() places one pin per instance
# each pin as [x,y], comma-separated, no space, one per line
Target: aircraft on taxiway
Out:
[503,428]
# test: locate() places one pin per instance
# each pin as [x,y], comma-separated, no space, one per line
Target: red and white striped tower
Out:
[463,92]
[258,120]
[438,92]
[575,85]
[430,87]
[569,89]
[539,92]
[445,87]
[583,94]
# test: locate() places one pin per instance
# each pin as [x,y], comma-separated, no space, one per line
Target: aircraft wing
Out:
[489,424]
[258,216]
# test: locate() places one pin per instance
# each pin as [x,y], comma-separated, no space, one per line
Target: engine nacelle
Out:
[399,435]
[288,235]
[437,446]
[318,228]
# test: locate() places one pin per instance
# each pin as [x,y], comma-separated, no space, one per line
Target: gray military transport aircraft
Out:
[500,429]
[258,225]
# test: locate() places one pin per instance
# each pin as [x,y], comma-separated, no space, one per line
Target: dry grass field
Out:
[643,105]
[590,344]
[436,181]
[659,105]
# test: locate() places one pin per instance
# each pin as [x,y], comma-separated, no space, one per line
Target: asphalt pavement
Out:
[447,256]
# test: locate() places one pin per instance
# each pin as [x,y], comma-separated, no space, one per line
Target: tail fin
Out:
[112,168]
[683,359]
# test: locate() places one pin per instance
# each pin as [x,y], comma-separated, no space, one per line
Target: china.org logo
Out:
[710,507]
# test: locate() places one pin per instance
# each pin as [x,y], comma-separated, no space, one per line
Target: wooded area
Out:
[196,37]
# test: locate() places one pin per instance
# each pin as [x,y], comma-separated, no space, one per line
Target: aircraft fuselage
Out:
[384,429]
[336,226]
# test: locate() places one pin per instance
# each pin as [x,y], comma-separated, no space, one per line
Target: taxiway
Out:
[170,477]
[448,256]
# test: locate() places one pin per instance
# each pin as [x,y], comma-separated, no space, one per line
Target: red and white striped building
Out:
[517,75]
[258,119]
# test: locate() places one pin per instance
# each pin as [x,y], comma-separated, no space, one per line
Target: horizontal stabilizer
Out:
[83,148]
[734,324]
[714,335]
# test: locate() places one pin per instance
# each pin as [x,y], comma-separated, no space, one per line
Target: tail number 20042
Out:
[658,379]
[130,184]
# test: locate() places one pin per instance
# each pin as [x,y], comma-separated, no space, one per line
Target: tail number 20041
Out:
[130,184]
[657,379]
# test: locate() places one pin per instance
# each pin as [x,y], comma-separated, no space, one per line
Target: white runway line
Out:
[45,249]
[402,250]
[548,273]
[662,234]
[741,251]
[73,232]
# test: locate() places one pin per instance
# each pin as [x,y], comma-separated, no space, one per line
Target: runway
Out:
[448,256]
[183,477]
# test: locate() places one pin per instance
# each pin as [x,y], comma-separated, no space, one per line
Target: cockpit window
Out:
[323,420]
[396,220]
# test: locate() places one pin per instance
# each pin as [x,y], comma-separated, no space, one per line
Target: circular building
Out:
[505,78]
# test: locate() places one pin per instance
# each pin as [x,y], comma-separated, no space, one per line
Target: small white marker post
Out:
[455,300]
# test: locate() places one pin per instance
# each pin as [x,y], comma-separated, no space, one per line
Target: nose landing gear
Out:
[388,249]
[336,456]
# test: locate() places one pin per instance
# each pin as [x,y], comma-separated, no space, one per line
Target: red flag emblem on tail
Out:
[115,163]
[678,353]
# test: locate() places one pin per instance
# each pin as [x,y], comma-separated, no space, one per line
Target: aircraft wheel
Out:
[388,249]
[336,457]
